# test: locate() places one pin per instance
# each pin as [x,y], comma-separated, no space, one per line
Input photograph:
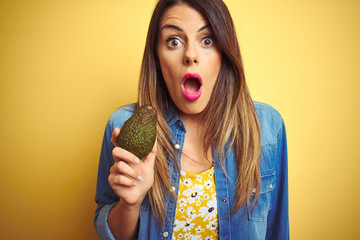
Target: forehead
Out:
[183,15]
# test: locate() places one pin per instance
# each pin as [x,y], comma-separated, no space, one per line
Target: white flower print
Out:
[191,213]
[199,177]
[196,210]
[187,236]
[179,225]
[208,184]
[196,237]
[194,193]
[188,225]
[198,230]
[210,210]
[211,174]
[182,202]
[206,196]
[187,182]
[212,225]
[182,210]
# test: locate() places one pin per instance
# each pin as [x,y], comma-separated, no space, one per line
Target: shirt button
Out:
[173,188]
[177,146]
[224,200]
[271,186]
[165,234]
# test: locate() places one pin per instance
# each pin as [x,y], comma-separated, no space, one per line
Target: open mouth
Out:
[191,86]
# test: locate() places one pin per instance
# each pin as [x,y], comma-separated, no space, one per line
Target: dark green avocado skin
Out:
[138,133]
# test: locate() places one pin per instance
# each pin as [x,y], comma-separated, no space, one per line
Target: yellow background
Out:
[65,66]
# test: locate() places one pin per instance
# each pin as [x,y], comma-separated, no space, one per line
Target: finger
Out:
[114,136]
[116,181]
[124,169]
[120,154]
[154,149]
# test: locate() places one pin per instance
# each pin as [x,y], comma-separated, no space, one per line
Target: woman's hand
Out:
[131,178]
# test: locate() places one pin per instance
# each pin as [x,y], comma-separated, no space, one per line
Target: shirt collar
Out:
[172,116]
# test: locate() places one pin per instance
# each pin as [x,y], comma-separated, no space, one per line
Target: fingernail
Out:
[135,183]
[139,178]
[136,160]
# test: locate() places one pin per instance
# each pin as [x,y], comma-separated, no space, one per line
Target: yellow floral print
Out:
[196,210]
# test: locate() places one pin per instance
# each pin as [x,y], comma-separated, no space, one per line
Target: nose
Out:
[190,56]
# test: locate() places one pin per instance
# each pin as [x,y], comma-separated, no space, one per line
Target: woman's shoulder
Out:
[267,111]
[271,121]
[122,114]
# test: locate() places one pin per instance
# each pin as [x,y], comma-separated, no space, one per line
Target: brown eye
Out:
[174,42]
[207,42]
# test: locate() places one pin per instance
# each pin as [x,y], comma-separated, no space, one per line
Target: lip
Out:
[189,95]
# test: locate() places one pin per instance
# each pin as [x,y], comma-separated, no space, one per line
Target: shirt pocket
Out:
[260,211]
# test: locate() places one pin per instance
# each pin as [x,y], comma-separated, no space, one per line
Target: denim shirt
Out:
[269,220]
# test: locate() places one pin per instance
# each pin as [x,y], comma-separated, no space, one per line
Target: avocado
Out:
[139,132]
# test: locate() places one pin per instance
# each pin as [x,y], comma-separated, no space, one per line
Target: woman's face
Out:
[189,58]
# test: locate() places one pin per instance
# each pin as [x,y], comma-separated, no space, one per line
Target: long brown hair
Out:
[236,125]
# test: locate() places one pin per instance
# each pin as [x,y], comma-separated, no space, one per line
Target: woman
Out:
[218,169]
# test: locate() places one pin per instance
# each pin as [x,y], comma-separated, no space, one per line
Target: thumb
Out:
[114,136]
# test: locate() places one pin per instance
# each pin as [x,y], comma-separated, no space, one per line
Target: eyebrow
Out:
[181,30]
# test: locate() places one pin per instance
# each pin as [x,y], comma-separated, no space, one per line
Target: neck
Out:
[194,159]
[192,122]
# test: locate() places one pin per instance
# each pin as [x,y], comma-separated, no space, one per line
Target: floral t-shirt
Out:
[196,214]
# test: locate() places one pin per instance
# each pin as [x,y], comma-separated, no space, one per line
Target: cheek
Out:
[216,63]
[213,66]
[170,70]
[166,72]
[166,65]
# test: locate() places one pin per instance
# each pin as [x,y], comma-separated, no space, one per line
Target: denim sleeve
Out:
[105,196]
[278,217]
